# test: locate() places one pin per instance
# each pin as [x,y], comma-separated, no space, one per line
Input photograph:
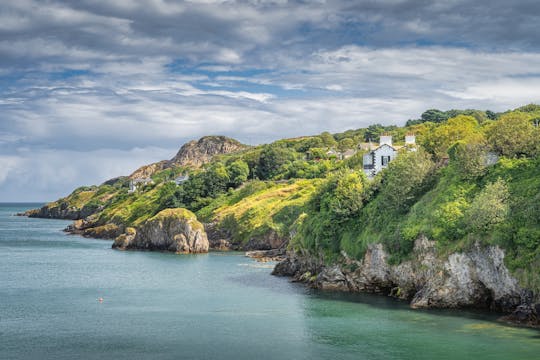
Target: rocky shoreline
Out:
[474,279]
[477,278]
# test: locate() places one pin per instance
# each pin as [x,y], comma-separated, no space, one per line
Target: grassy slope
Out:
[260,207]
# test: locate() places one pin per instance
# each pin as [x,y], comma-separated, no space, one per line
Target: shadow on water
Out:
[389,304]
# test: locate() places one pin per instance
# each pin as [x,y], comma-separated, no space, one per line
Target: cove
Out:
[210,306]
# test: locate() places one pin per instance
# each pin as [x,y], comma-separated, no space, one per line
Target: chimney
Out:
[410,139]
[385,139]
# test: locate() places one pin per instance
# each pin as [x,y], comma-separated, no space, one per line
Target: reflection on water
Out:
[215,306]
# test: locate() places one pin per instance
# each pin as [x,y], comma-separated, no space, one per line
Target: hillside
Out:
[451,219]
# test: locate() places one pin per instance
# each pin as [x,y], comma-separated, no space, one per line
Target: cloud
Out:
[7,165]
[84,85]
[45,175]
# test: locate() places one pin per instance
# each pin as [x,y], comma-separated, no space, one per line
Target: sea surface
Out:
[211,306]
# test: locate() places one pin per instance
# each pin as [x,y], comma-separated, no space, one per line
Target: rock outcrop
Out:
[197,153]
[194,154]
[146,171]
[175,230]
[62,210]
[477,278]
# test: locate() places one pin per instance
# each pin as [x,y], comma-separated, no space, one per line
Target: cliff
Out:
[476,278]
[175,230]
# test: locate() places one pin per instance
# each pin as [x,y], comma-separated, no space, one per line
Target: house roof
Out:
[383,145]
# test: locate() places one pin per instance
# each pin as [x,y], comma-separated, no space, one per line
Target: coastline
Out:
[313,273]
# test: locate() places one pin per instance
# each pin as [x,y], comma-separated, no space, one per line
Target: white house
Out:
[379,158]
[181,179]
[135,183]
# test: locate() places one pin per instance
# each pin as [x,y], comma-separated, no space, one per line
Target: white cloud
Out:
[7,165]
[157,73]
[45,175]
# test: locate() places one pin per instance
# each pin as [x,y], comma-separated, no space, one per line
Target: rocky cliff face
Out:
[61,210]
[477,278]
[197,153]
[194,154]
[175,230]
[146,171]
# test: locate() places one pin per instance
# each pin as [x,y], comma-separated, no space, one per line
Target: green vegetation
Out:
[475,178]
[262,208]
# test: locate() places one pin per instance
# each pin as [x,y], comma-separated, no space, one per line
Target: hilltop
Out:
[446,216]
[192,154]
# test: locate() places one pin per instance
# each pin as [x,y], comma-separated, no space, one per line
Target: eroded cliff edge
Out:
[476,278]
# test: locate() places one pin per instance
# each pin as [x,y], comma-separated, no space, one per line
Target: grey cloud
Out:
[201,32]
[325,66]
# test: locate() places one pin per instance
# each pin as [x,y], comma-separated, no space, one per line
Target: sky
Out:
[90,90]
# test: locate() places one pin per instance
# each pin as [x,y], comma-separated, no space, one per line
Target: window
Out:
[385,160]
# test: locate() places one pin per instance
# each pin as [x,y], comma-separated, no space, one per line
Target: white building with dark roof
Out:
[379,158]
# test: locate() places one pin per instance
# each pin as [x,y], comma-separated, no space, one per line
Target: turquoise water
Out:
[215,306]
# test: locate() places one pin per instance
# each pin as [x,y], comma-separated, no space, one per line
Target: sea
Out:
[68,297]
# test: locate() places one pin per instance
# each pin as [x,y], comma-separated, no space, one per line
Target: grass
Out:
[266,207]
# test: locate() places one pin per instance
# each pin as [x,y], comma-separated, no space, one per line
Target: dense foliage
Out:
[474,178]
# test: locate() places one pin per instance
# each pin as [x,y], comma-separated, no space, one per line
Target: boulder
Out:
[175,230]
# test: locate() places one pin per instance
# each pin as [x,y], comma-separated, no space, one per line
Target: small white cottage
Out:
[181,179]
[135,183]
[379,158]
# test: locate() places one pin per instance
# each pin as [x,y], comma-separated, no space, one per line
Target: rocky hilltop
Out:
[197,153]
[175,230]
[192,154]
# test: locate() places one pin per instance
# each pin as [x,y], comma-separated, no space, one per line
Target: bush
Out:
[489,207]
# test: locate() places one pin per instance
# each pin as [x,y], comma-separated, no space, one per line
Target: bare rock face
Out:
[148,170]
[268,241]
[194,153]
[175,230]
[475,278]
[197,153]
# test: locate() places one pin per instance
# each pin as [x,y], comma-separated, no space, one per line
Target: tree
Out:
[513,135]
[434,115]
[346,144]
[170,196]
[489,207]
[460,128]
[313,142]
[328,139]
[238,173]
[404,180]
[216,180]
[470,158]
[272,160]
[317,154]
[373,132]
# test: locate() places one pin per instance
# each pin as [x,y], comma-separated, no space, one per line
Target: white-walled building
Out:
[136,183]
[181,179]
[379,158]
